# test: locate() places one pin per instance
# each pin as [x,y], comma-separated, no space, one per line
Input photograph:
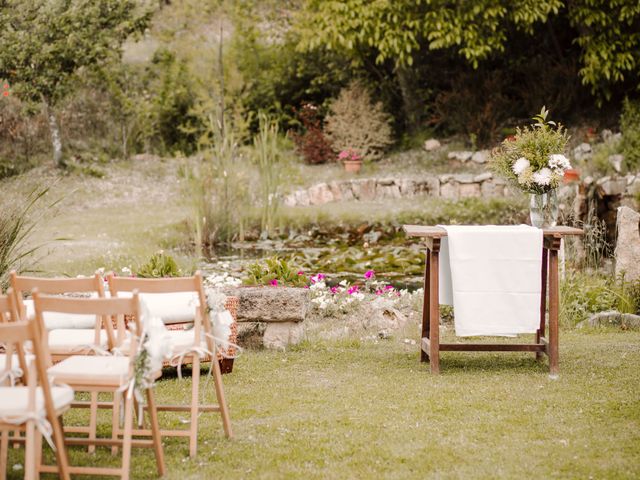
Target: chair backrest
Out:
[9,315]
[166,285]
[14,335]
[22,285]
[110,308]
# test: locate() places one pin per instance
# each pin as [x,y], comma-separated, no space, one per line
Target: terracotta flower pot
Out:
[352,166]
[571,175]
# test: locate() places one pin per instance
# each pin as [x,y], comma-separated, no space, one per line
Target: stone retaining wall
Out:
[450,186]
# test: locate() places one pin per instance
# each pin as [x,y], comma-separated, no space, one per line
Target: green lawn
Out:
[365,410]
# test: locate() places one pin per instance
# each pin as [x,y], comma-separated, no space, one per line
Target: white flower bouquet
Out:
[533,158]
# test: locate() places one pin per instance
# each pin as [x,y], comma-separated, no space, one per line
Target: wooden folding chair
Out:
[96,373]
[90,334]
[34,406]
[190,342]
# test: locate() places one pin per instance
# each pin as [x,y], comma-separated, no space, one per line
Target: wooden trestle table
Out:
[430,346]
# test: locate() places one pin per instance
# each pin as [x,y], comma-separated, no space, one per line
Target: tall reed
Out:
[267,156]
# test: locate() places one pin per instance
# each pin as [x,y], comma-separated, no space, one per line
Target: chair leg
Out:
[4,450]
[222,402]
[93,421]
[62,460]
[155,432]
[30,451]
[38,452]
[115,420]
[195,401]
[126,443]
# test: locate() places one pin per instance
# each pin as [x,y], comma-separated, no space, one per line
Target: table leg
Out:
[543,300]
[434,312]
[424,356]
[554,304]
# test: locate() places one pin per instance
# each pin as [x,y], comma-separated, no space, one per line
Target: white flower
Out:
[559,161]
[520,165]
[542,177]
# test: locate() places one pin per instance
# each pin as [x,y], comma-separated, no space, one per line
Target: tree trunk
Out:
[56,142]
[410,103]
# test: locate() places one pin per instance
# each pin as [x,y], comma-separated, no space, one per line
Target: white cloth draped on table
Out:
[491,274]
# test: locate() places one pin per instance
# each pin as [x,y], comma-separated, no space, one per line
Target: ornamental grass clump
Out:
[533,159]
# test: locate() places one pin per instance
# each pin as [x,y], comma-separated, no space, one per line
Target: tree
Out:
[608,32]
[45,44]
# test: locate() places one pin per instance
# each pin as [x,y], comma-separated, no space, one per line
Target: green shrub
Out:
[275,271]
[630,127]
[159,265]
[18,220]
[355,122]
[585,293]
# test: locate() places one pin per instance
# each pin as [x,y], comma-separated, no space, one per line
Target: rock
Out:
[588,180]
[289,200]
[432,144]
[271,304]
[336,191]
[627,252]
[430,185]
[367,190]
[633,187]
[616,161]
[408,187]
[320,194]
[462,156]
[389,190]
[612,318]
[346,191]
[469,190]
[481,156]
[483,177]
[582,151]
[302,198]
[606,134]
[612,186]
[278,336]
[463,178]
[490,189]
[372,237]
[250,334]
[450,190]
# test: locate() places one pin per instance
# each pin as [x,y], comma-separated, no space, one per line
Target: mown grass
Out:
[371,410]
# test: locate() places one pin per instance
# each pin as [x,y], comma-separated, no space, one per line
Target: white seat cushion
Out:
[68,340]
[61,320]
[182,340]
[14,400]
[91,370]
[178,307]
[15,361]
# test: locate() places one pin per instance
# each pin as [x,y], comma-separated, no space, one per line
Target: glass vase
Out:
[543,209]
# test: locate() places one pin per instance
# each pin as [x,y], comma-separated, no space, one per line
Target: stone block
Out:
[483,177]
[462,156]
[450,190]
[612,186]
[336,190]
[408,187]
[463,178]
[481,156]
[627,252]
[289,200]
[320,194]
[367,190]
[271,304]
[432,144]
[302,198]
[277,336]
[469,190]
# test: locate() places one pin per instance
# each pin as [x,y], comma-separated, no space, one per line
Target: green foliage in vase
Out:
[275,271]
[159,265]
[533,159]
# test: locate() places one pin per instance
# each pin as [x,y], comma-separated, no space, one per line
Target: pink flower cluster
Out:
[349,154]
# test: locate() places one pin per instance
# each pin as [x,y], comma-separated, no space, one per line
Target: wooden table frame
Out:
[430,346]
